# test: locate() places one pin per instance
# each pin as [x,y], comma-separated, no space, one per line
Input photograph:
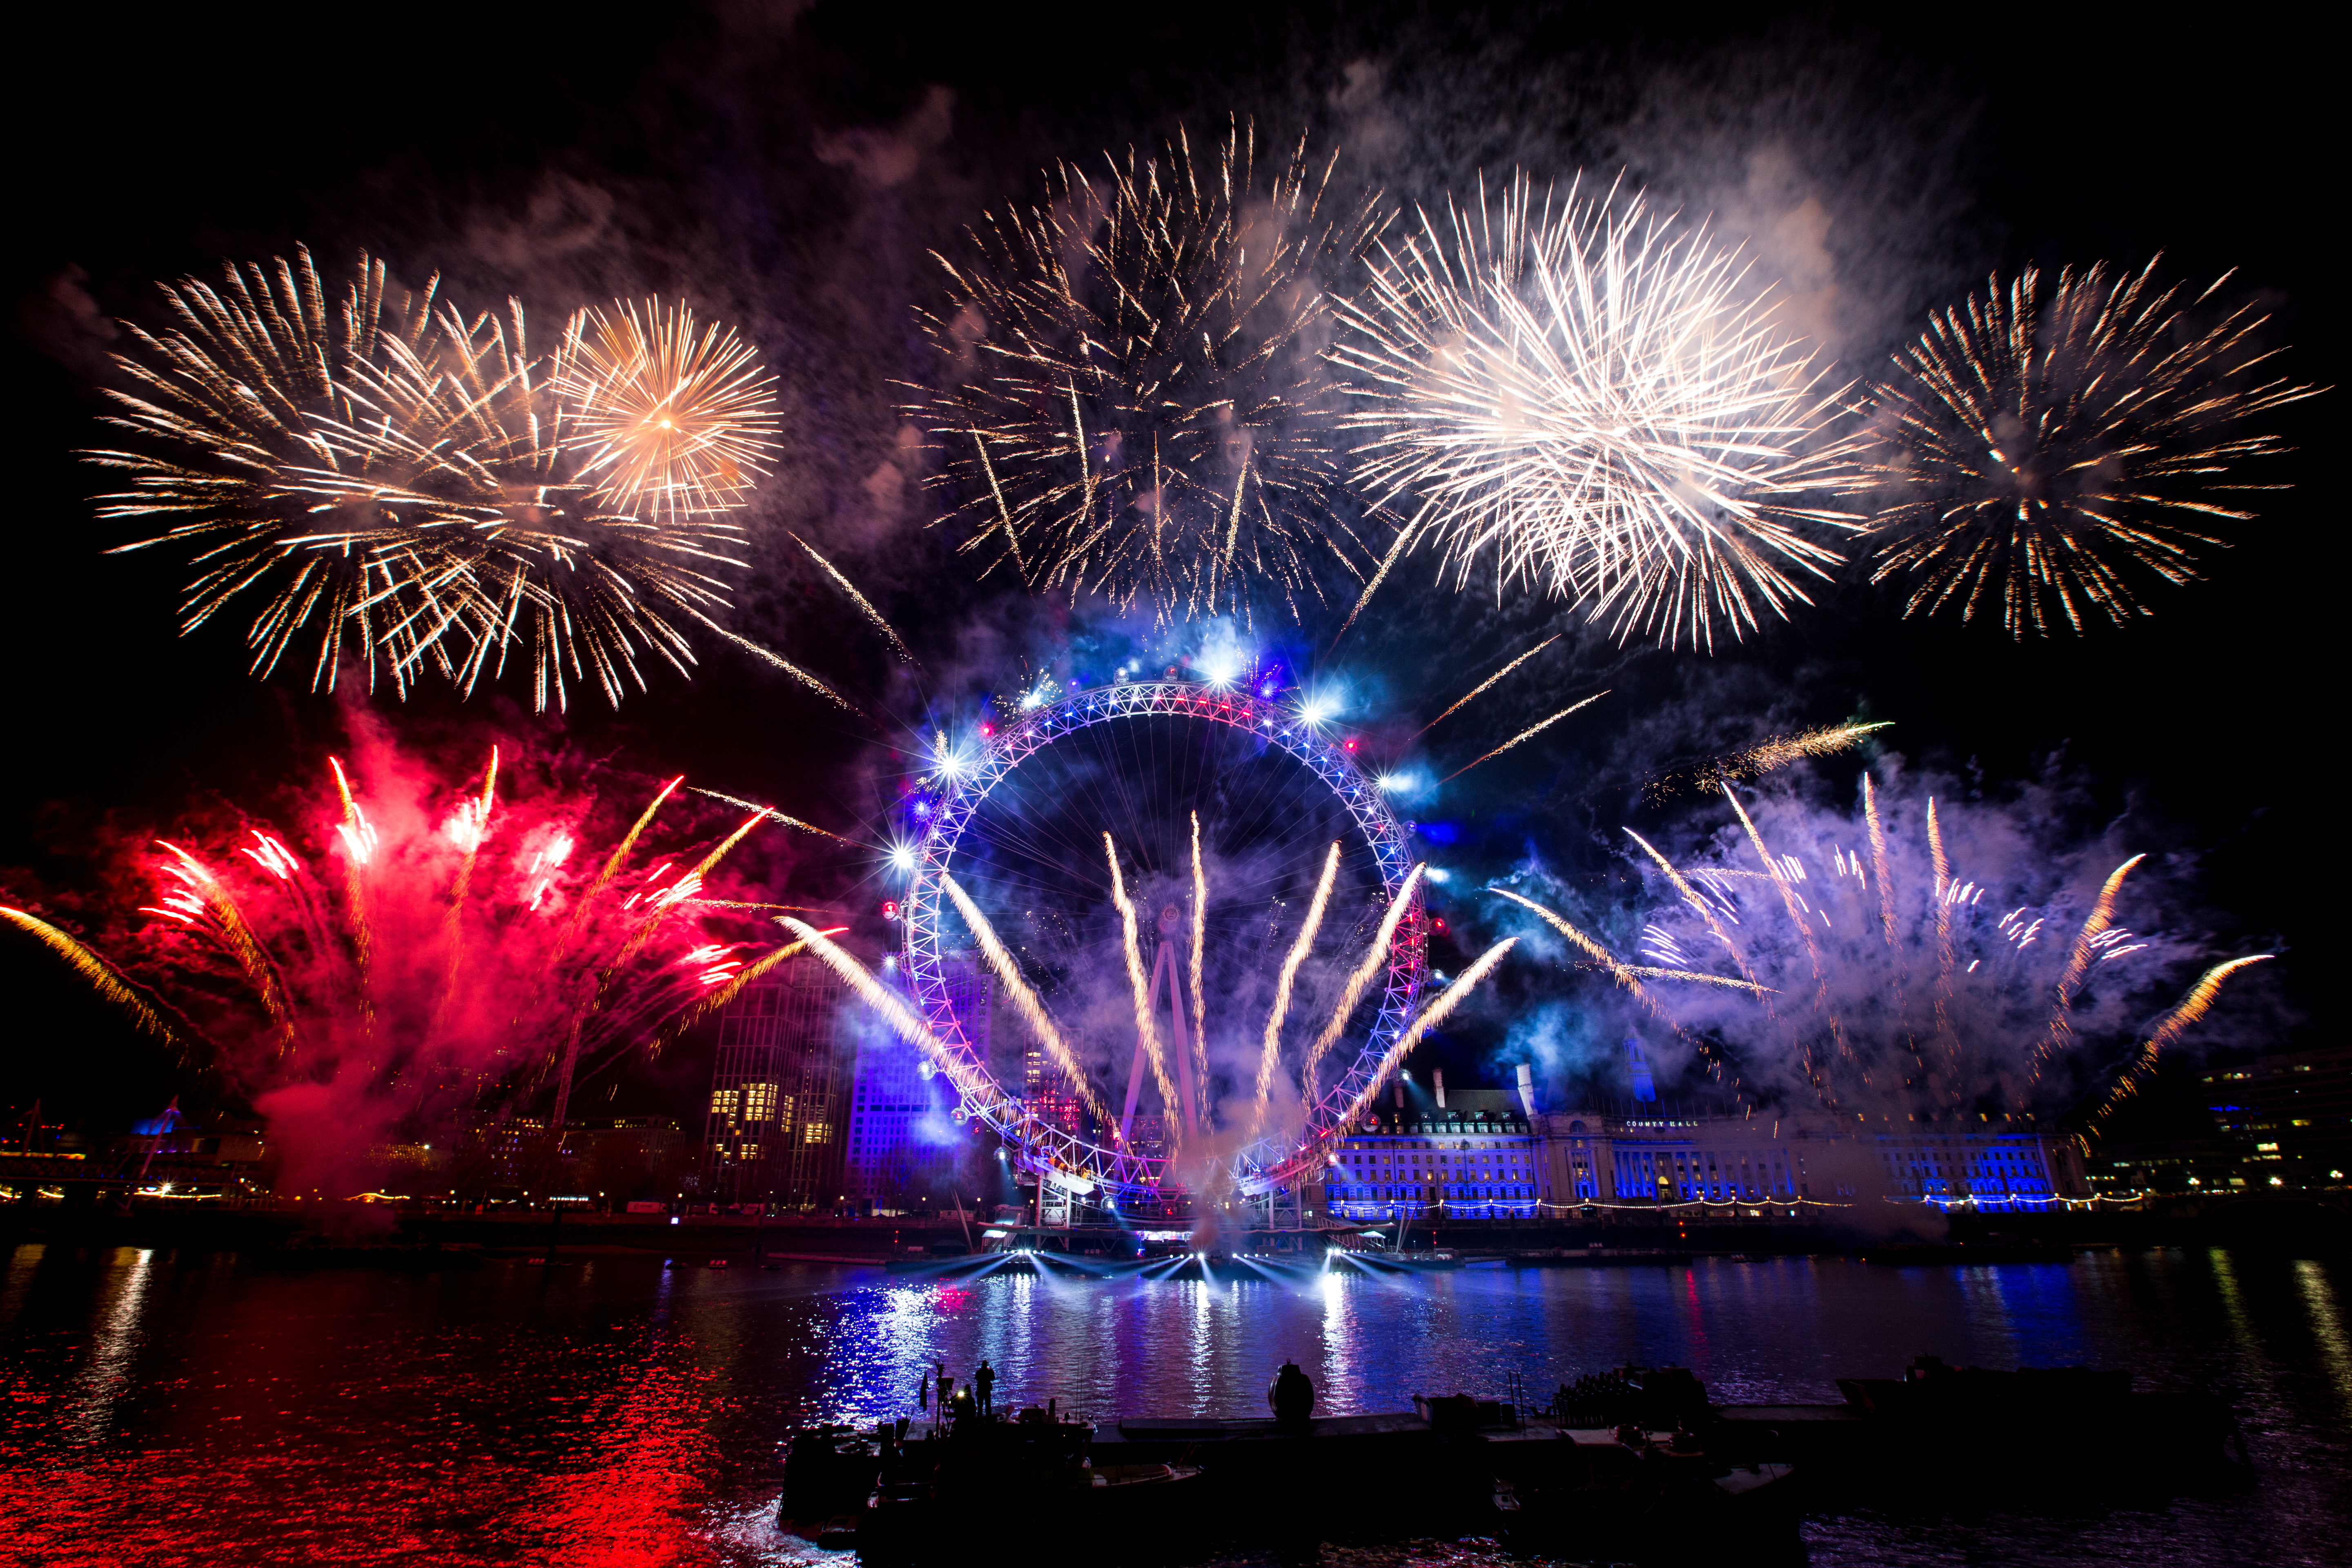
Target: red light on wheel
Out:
[891,910]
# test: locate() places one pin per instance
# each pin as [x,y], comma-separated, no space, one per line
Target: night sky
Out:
[789,168]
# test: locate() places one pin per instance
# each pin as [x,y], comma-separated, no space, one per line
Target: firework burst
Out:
[1131,400]
[1583,388]
[1870,968]
[2049,448]
[412,953]
[673,422]
[389,479]
[1820,740]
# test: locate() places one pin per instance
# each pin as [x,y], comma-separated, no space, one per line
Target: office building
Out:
[904,1140]
[2288,1117]
[776,1129]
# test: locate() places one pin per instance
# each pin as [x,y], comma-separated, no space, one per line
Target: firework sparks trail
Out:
[359,838]
[1935,998]
[865,606]
[1025,998]
[2045,449]
[1947,962]
[2060,1033]
[1147,1029]
[1822,741]
[1699,906]
[894,1012]
[101,975]
[1270,1052]
[1375,960]
[1403,542]
[1647,973]
[727,990]
[673,423]
[1878,832]
[776,816]
[1130,398]
[378,986]
[1143,994]
[1797,913]
[776,660]
[1433,1013]
[659,903]
[1483,687]
[2170,1029]
[1526,734]
[394,479]
[201,895]
[1193,964]
[469,827]
[1599,954]
[1580,387]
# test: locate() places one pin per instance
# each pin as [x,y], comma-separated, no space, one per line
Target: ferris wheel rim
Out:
[1078,1163]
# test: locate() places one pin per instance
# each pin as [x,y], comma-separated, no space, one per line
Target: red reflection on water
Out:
[1698,1318]
[630,1509]
[321,1429]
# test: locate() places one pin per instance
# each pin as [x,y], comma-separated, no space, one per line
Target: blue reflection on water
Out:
[200,1406]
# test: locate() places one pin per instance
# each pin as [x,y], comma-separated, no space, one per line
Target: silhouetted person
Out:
[962,1405]
[923,1392]
[1292,1396]
[983,1382]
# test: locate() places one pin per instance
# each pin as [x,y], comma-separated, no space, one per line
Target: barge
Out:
[1635,1463]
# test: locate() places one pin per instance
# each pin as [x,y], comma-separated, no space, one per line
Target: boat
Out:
[919,1491]
[830,1470]
[1998,1425]
[1634,1462]
[1633,1492]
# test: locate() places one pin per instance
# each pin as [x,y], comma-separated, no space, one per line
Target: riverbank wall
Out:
[2303,1226]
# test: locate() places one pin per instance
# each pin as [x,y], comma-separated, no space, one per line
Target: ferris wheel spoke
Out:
[1023,834]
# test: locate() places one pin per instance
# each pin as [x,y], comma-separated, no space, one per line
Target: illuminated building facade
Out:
[1480,1155]
[1474,1157]
[2288,1118]
[903,1139]
[1654,1155]
[776,1129]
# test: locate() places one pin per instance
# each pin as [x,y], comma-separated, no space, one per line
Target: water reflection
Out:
[2326,1328]
[204,1409]
[114,1341]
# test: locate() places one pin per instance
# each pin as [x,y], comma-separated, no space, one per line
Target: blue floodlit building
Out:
[1475,1156]
[903,1139]
[1486,1154]
[1654,1155]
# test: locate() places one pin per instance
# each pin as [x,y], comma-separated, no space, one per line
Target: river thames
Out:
[207,1408]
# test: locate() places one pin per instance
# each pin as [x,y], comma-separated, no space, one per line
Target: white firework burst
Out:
[1595,393]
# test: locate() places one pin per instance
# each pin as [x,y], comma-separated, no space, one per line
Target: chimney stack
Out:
[1437,1082]
[1527,1090]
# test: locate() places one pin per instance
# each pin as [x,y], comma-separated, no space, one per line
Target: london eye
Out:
[1259,864]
